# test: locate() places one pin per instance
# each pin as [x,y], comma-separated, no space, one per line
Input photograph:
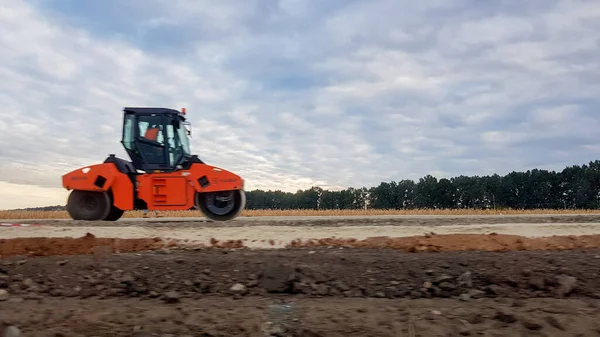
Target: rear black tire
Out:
[114,214]
[222,205]
[88,205]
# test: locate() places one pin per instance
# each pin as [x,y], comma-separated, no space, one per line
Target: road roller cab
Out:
[162,174]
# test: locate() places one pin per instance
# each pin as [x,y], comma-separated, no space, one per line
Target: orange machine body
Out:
[159,191]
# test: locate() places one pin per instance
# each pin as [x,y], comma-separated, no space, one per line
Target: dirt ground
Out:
[216,316]
[514,232]
[90,244]
[424,285]
[302,292]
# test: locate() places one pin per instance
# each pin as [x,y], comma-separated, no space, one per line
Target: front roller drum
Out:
[221,205]
[89,205]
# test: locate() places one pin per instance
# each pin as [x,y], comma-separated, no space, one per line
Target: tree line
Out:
[575,187]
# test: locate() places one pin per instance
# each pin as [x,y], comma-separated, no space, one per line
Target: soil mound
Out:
[88,244]
[459,242]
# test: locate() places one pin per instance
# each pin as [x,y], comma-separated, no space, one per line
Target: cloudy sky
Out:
[296,93]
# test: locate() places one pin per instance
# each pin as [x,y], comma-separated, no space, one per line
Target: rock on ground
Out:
[11,331]
[3,295]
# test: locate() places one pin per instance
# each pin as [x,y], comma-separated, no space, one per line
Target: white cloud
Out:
[291,94]
[15,196]
[555,115]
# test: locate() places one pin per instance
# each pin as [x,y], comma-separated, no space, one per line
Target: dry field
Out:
[17,214]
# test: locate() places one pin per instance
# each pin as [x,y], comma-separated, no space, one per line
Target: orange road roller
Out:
[162,174]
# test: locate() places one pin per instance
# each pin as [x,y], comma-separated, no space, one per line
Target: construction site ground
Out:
[402,276]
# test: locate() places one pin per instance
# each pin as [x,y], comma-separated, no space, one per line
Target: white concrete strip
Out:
[259,236]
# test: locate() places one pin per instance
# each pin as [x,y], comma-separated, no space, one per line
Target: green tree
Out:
[574,187]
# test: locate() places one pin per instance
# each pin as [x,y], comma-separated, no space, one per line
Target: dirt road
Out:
[428,285]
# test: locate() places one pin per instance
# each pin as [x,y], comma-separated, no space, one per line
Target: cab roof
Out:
[146,110]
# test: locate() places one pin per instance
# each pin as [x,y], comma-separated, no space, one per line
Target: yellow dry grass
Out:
[24,215]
